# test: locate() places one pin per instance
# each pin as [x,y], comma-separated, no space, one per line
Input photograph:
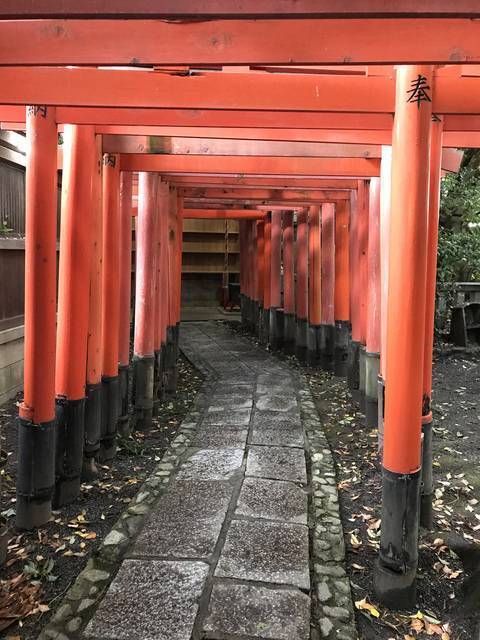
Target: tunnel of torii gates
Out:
[323,128]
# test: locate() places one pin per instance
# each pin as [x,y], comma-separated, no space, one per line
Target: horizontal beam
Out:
[223,214]
[242,165]
[211,146]
[266,194]
[240,42]
[233,8]
[275,119]
[247,182]
[218,91]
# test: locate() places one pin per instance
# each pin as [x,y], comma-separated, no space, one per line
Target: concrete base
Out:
[372,368]
[361,378]
[326,346]
[276,328]
[301,339]
[342,339]
[289,329]
[313,339]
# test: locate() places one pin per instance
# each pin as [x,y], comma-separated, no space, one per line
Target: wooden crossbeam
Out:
[265,194]
[241,42]
[242,165]
[231,91]
[235,8]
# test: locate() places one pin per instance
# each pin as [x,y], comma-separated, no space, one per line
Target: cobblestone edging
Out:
[87,591]
[332,606]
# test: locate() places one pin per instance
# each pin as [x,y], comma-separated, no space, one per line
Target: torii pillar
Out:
[161,285]
[36,428]
[372,354]
[426,513]
[73,302]
[395,572]
[288,284]
[276,312]
[125,259]
[342,287]
[143,348]
[363,233]
[327,327]
[110,305]
[260,268]
[93,402]
[314,286]
[267,271]
[301,289]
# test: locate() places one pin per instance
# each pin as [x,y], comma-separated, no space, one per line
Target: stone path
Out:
[226,552]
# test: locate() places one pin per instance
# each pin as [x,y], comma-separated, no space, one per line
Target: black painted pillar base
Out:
[313,341]
[381,411]
[372,368]
[93,429]
[265,334]
[353,369]
[426,503]
[143,368]
[243,310]
[70,435]
[361,377]
[326,346]
[124,428]
[36,473]
[301,339]
[110,404]
[171,370]
[254,317]
[394,577]
[276,328]
[342,339]
[289,333]
[159,375]
[259,321]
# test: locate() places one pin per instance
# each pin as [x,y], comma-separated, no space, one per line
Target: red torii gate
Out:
[377,96]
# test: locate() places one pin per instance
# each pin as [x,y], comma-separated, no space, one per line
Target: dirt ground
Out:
[42,565]
[440,613]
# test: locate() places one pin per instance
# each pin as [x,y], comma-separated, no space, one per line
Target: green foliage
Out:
[4,229]
[460,194]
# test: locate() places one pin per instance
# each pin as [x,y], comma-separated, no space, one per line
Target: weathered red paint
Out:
[301,259]
[314,267]
[328,264]
[125,266]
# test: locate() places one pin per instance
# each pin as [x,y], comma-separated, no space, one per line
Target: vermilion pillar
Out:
[267,262]
[143,347]
[314,286]
[93,402]
[110,305]
[395,575]
[161,284]
[36,435]
[276,313]
[171,350]
[260,266]
[253,274]
[353,367]
[301,289]
[385,206]
[73,300]
[288,283]
[363,203]
[125,299]
[327,252]
[342,287]
[426,518]
[242,235]
[372,355]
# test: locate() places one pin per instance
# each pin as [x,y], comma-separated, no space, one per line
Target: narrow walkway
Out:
[225,551]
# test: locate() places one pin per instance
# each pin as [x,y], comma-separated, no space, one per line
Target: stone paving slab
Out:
[220,436]
[272,500]
[258,612]
[186,521]
[240,418]
[282,435]
[281,403]
[266,552]
[274,418]
[212,464]
[150,600]
[277,463]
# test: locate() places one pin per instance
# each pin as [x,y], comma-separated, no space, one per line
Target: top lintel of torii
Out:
[13,9]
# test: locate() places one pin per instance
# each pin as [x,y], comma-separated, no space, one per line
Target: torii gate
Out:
[222,99]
